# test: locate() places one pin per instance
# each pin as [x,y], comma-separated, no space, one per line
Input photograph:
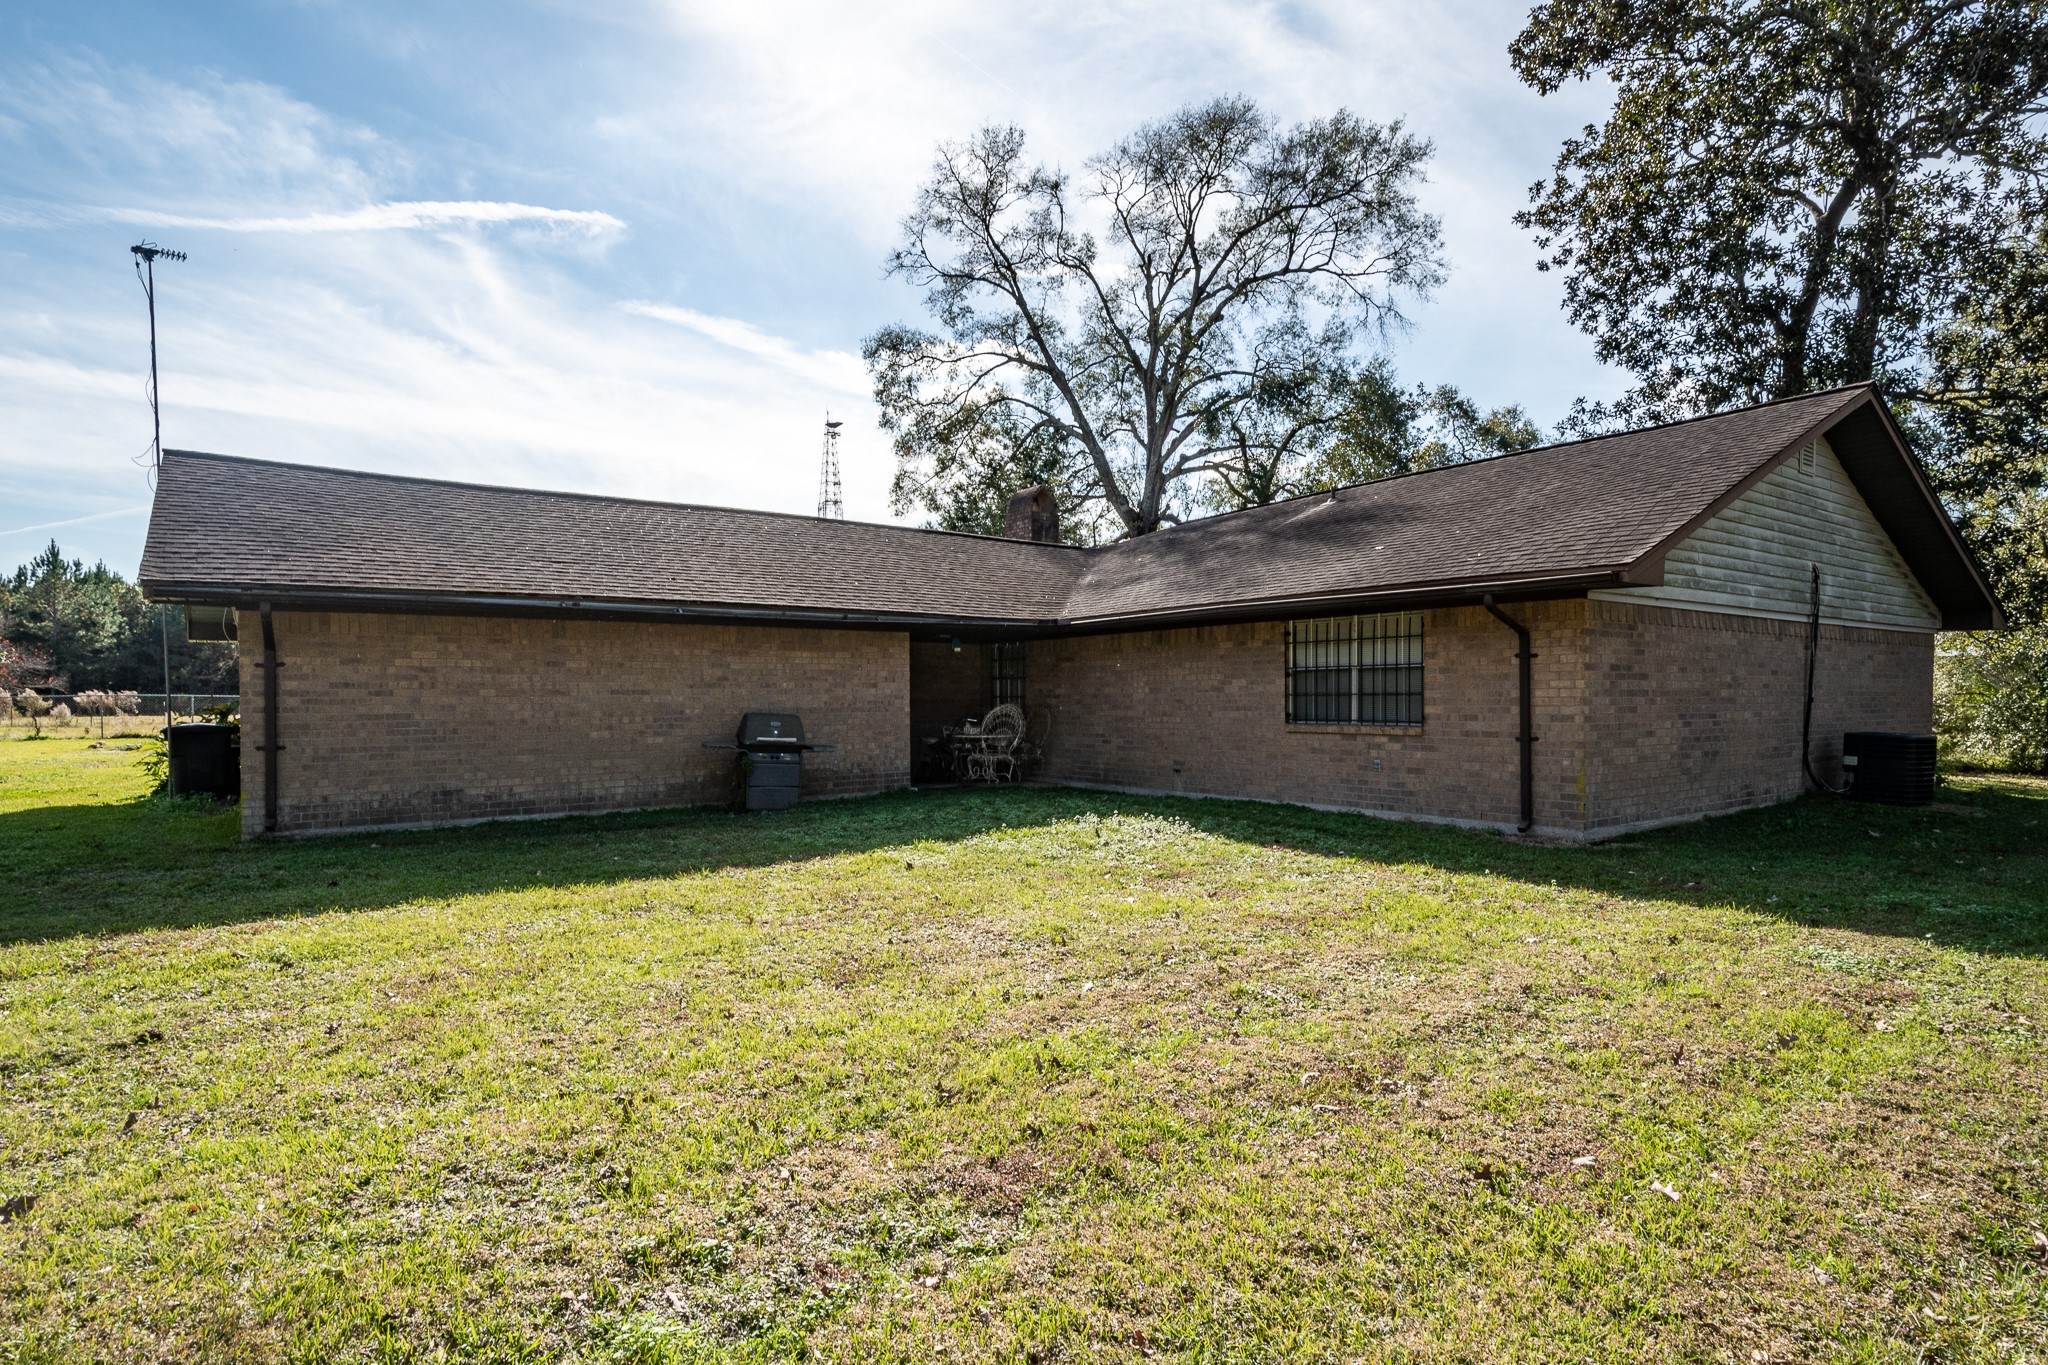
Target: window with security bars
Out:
[1355,670]
[1006,669]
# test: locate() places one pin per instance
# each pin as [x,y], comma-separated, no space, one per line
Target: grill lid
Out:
[771,730]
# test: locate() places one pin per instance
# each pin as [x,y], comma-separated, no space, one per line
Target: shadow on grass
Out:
[1970,871]
[165,863]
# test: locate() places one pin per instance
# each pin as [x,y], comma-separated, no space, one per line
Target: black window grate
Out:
[1006,673]
[1355,670]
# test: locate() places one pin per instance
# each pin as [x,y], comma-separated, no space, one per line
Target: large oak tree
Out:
[1792,194]
[1192,308]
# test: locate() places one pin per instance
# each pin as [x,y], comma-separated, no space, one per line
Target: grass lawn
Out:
[1019,1075]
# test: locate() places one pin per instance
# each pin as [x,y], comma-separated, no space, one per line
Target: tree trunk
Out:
[1873,295]
[1795,336]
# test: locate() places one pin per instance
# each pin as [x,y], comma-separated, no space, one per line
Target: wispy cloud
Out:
[388,217]
[137,510]
[838,369]
[390,345]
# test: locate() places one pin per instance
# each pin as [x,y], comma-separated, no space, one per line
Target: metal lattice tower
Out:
[829,504]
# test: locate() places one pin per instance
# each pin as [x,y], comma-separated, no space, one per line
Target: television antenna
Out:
[829,503]
[146,256]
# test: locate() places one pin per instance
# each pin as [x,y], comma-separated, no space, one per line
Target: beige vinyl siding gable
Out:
[1755,556]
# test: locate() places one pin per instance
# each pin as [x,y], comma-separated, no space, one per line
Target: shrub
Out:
[1991,698]
[94,703]
[60,712]
[156,764]
[127,703]
[33,705]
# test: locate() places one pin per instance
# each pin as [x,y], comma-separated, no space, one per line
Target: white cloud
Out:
[447,356]
[451,354]
[841,370]
[135,510]
[92,126]
[825,110]
[380,218]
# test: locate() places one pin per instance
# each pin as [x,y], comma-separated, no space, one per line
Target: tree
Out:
[33,705]
[1368,428]
[976,457]
[1982,425]
[1991,697]
[1239,266]
[1787,195]
[93,630]
[80,617]
[21,666]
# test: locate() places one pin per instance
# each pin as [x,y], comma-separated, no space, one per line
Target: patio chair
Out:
[993,757]
[1037,737]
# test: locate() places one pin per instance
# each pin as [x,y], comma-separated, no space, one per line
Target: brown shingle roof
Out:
[1558,517]
[254,527]
[1556,512]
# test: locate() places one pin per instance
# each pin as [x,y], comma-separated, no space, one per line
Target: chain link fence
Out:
[99,709]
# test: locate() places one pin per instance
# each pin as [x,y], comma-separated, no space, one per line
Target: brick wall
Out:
[1643,714]
[1203,711]
[1700,712]
[395,719]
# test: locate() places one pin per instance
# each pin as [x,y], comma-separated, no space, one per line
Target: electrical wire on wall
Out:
[1806,726]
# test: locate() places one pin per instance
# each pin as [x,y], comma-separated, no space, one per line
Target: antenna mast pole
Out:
[829,502]
[145,254]
[156,417]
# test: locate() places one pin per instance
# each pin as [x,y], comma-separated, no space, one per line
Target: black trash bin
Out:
[205,760]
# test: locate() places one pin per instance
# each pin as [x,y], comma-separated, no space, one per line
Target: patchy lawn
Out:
[1019,1075]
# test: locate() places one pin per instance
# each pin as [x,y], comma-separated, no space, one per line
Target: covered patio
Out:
[970,717]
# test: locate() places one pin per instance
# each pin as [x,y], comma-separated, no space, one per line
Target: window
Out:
[1355,670]
[209,623]
[1006,673]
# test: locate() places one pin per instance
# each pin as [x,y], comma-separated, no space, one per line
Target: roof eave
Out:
[1443,593]
[303,598]
[1989,612]
[1451,592]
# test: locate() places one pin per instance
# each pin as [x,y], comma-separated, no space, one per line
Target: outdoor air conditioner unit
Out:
[1890,769]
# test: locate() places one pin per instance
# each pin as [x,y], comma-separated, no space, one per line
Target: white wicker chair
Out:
[994,755]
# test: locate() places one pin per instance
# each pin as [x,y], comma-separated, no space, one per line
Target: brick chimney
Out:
[1033,514]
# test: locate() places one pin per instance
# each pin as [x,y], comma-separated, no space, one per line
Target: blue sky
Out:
[629,251]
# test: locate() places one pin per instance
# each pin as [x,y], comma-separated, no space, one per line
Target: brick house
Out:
[448,652]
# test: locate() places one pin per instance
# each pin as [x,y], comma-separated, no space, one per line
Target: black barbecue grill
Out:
[771,746]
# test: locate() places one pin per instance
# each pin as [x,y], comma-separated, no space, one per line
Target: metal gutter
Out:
[474,604]
[1441,593]
[270,746]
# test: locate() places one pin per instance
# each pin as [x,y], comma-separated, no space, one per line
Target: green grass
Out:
[1019,1075]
